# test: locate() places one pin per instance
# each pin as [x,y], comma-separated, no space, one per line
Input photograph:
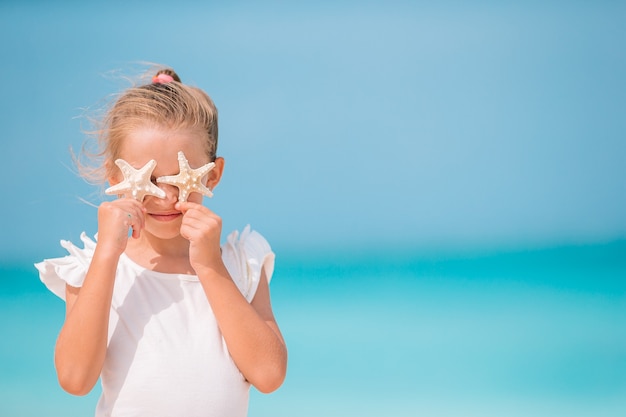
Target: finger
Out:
[136,220]
[202,224]
[186,206]
[130,222]
[130,206]
[136,230]
[182,206]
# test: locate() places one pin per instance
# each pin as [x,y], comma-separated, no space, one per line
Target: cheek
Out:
[195,198]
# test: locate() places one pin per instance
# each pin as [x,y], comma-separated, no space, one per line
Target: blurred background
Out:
[444,184]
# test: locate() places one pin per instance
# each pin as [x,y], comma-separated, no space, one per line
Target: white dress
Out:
[166,355]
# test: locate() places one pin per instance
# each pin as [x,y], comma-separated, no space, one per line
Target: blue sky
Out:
[344,124]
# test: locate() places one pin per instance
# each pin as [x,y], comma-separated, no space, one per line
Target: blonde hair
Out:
[170,105]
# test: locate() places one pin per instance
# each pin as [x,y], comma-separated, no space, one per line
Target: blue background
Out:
[443,182]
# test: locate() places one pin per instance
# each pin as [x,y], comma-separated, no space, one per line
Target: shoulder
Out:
[55,273]
[246,255]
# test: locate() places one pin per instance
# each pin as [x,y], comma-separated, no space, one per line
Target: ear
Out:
[215,175]
[112,172]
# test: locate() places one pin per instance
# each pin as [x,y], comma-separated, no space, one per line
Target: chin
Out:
[164,233]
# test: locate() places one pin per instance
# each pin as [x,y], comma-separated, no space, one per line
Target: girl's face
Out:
[145,143]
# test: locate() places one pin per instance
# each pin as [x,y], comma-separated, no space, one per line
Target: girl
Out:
[172,323]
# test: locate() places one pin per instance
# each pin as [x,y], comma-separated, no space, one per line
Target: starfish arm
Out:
[120,188]
[203,170]
[155,191]
[188,180]
[169,179]
[199,176]
[202,189]
[136,183]
[175,180]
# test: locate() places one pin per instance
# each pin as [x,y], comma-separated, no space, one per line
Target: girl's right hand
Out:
[114,219]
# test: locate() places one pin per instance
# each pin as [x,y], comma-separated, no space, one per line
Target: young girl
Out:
[173,323]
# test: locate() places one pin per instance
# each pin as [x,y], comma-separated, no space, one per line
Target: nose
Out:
[171,193]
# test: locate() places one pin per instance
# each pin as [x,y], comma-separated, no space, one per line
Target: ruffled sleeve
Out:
[70,269]
[245,256]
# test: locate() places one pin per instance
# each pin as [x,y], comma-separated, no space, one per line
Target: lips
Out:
[166,217]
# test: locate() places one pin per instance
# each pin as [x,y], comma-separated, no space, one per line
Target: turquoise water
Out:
[520,333]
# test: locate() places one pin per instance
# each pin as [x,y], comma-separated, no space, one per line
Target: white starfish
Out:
[136,183]
[188,180]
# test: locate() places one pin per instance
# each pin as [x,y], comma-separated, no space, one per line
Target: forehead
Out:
[149,142]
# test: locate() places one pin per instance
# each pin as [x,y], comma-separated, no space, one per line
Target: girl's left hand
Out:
[203,229]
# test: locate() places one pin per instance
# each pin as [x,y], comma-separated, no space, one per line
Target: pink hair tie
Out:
[162,79]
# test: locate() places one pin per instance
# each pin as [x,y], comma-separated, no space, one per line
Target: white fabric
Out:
[166,355]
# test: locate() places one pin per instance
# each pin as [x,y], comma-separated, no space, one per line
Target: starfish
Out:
[188,180]
[136,183]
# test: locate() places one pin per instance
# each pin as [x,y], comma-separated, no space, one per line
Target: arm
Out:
[82,343]
[249,329]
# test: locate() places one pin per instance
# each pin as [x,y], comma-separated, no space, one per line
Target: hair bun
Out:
[170,72]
